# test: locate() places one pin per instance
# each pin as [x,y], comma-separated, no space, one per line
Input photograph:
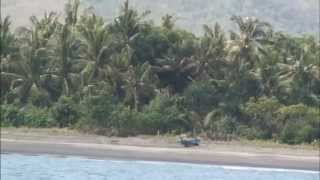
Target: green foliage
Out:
[131,76]
[262,115]
[201,97]
[289,134]
[163,114]
[98,111]
[125,121]
[38,118]
[39,98]
[296,133]
[66,112]
[247,132]
[301,124]
[218,124]
[12,115]
[309,133]
[292,124]
[152,44]
[226,125]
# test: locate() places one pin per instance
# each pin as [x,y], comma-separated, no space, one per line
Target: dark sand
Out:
[106,148]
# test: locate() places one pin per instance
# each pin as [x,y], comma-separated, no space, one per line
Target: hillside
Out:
[294,16]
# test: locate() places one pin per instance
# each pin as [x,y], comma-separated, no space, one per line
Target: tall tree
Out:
[7,39]
[8,52]
[30,69]
[68,49]
[127,27]
[139,85]
[97,47]
[211,52]
[246,48]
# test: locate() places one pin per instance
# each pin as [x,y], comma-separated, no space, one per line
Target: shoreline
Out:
[230,167]
[183,155]
[160,149]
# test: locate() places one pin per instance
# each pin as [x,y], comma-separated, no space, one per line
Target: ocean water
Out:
[47,167]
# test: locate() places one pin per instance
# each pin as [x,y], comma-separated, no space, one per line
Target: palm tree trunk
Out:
[66,90]
[136,99]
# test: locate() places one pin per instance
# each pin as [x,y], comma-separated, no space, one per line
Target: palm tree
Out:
[7,39]
[176,73]
[211,52]
[300,82]
[139,85]
[298,72]
[245,52]
[68,49]
[29,70]
[246,48]
[97,47]
[168,22]
[8,52]
[68,56]
[71,11]
[127,27]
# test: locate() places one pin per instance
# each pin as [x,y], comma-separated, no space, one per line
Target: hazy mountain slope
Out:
[296,16]
[21,10]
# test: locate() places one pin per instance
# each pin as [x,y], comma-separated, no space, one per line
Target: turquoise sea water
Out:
[45,167]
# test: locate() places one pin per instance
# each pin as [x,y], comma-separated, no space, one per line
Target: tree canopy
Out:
[130,76]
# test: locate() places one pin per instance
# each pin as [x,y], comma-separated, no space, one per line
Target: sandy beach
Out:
[150,148]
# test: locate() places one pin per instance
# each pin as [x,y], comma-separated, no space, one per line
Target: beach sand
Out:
[158,148]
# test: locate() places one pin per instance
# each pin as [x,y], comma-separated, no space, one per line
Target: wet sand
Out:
[157,149]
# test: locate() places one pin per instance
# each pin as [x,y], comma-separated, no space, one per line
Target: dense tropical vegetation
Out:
[130,76]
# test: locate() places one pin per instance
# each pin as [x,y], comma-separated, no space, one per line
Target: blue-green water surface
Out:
[45,167]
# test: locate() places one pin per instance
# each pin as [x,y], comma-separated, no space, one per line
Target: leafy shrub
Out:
[251,133]
[97,113]
[26,116]
[11,115]
[218,122]
[301,124]
[308,133]
[222,128]
[125,121]
[163,114]
[38,117]
[65,112]
[262,114]
[39,98]
[293,113]
[200,97]
[226,125]
[247,132]
[290,133]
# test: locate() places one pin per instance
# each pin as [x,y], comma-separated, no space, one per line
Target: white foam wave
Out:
[237,168]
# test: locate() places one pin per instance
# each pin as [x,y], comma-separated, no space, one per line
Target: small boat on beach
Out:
[188,142]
